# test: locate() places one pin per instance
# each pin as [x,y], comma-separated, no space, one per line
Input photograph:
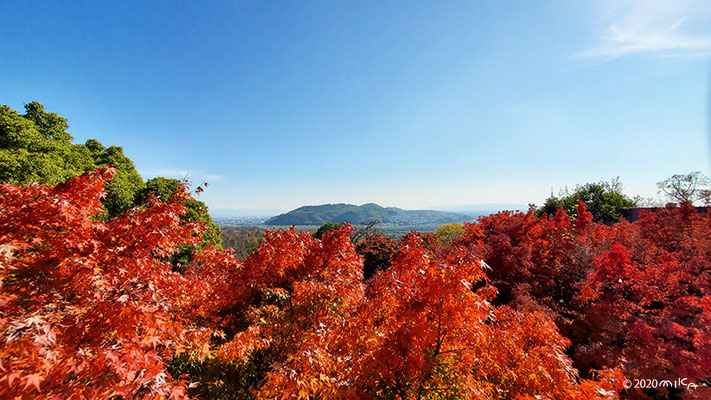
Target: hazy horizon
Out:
[261,212]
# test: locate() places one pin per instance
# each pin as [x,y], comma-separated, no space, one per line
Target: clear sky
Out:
[409,104]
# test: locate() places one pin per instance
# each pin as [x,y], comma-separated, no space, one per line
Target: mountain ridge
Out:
[368,212]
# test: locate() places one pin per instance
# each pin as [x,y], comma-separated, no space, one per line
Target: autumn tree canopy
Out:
[630,294]
[111,287]
[91,309]
[88,308]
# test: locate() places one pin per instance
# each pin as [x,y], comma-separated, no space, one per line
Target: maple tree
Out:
[281,297]
[87,307]
[517,307]
[376,251]
[648,301]
[535,258]
[418,330]
[633,295]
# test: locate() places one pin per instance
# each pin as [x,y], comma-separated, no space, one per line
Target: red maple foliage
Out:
[376,251]
[87,307]
[648,301]
[536,258]
[633,294]
[420,330]
[518,307]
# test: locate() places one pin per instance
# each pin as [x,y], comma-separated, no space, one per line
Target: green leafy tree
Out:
[446,234]
[50,125]
[325,228]
[603,200]
[36,147]
[195,210]
[123,188]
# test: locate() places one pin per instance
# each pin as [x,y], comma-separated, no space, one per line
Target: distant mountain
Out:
[482,209]
[319,215]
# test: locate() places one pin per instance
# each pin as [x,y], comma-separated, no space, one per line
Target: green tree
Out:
[36,147]
[325,228]
[446,234]
[50,125]
[195,210]
[603,200]
[125,185]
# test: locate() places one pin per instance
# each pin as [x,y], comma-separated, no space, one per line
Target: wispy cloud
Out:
[665,28]
[174,173]
[213,177]
[183,173]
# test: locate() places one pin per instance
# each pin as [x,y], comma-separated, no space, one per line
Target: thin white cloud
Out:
[174,173]
[182,173]
[664,28]
[213,177]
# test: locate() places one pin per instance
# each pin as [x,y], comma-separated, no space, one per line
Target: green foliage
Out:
[325,228]
[366,213]
[446,234]
[36,147]
[164,189]
[122,190]
[603,200]
[50,125]
[94,146]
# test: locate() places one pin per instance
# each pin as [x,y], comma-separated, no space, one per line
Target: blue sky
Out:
[409,104]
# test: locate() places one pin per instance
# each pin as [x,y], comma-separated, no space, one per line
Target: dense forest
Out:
[112,287]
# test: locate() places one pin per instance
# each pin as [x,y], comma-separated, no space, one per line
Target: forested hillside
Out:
[338,213]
